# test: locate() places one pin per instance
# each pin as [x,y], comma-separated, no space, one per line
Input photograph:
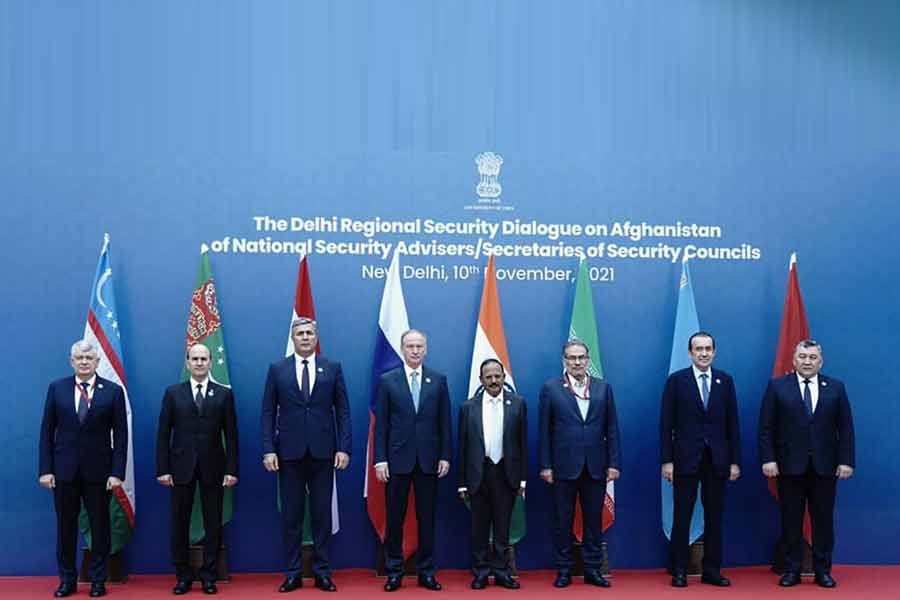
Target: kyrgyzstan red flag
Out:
[794,329]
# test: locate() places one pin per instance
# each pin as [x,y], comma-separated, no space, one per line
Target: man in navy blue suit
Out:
[84,436]
[411,447]
[305,436]
[700,443]
[806,440]
[579,451]
[196,416]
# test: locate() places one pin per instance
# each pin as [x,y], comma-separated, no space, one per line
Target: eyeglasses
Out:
[579,358]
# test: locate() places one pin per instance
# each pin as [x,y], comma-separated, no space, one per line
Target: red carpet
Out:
[360,584]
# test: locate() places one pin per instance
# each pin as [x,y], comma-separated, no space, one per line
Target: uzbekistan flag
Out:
[102,328]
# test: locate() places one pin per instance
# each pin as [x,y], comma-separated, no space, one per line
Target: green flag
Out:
[583,327]
[204,326]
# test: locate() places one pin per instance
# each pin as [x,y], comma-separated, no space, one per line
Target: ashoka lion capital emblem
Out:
[489,165]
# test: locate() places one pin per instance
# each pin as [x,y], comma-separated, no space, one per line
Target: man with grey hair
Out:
[83,441]
[411,447]
[806,441]
[578,452]
[305,427]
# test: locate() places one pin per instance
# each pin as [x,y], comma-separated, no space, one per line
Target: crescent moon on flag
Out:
[100,283]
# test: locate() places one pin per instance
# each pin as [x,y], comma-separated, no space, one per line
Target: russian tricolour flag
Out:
[392,322]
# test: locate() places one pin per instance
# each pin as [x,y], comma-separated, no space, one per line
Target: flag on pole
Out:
[204,326]
[794,329]
[303,307]
[686,325]
[490,342]
[103,328]
[583,327]
[392,323]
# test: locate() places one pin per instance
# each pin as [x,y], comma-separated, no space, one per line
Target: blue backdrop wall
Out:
[171,124]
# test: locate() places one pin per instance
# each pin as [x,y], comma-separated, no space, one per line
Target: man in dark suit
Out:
[493,450]
[194,417]
[579,450]
[305,436]
[83,442]
[700,443]
[806,441]
[411,447]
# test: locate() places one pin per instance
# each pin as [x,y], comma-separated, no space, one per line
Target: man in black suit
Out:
[806,440]
[579,451]
[493,452]
[700,443]
[411,447]
[83,441]
[305,427]
[194,417]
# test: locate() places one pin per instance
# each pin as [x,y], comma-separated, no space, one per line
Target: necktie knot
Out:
[84,385]
[806,382]
[704,375]
[305,362]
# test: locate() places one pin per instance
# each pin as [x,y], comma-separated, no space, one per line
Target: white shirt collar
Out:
[813,381]
[698,372]
[195,383]
[91,382]
[311,360]
[409,371]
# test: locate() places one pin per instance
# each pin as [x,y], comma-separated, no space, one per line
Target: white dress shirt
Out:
[699,381]
[492,417]
[582,395]
[90,390]
[298,366]
[204,385]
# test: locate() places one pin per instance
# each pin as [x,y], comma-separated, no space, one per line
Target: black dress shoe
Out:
[825,580]
[429,583]
[393,583]
[325,583]
[64,589]
[715,580]
[291,583]
[181,588]
[505,581]
[679,579]
[480,582]
[562,580]
[789,579]
[97,590]
[209,587]
[593,577]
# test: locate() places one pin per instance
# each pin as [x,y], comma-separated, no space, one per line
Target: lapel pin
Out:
[428,380]
[211,391]
[320,370]
[508,402]
[824,384]
[100,386]
[718,381]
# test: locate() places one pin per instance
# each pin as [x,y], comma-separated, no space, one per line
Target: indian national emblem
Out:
[489,164]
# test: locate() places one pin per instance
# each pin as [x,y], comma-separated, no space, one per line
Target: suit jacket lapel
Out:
[403,382]
[593,399]
[478,417]
[508,416]
[569,393]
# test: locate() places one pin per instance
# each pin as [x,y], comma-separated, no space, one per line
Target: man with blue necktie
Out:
[411,447]
[806,441]
[84,436]
[700,444]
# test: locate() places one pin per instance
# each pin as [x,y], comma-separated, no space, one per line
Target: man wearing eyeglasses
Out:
[700,445]
[806,441]
[578,450]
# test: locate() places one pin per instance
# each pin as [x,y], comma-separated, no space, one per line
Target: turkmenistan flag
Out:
[583,327]
[204,326]
[490,342]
